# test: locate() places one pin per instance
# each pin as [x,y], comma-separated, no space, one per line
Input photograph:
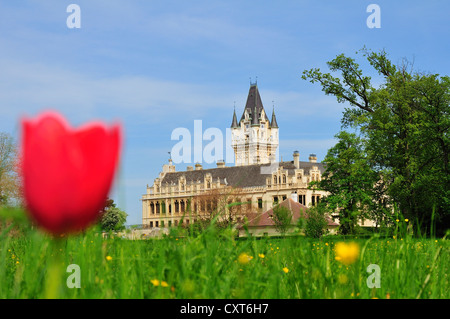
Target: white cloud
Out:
[31,87]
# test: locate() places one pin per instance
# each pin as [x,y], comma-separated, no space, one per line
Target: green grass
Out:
[207,266]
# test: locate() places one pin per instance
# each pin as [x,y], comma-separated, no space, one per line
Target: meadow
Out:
[215,264]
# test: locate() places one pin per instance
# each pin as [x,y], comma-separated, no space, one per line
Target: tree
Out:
[113,218]
[9,177]
[405,122]
[349,180]
[316,223]
[282,217]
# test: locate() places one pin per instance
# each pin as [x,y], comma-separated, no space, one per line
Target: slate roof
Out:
[234,123]
[254,104]
[274,123]
[236,176]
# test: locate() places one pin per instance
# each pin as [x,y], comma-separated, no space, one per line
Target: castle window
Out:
[275,200]
[260,203]
[262,125]
[177,207]
[274,179]
[157,224]
[182,205]
[284,179]
[152,208]
[151,224]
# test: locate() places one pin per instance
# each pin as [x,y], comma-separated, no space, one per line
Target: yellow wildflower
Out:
[346,253]
[155,282]
[244,259]
[406,220]
[108,258]
[286,270]
[164,284]
[261,255]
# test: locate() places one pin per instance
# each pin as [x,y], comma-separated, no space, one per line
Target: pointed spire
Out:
[254,105]
[273,123]
[234,123]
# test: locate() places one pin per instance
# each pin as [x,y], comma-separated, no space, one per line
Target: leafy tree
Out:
[349,180]
[282,217]
[405,122]
[316,223]
[9,180]
[113,218]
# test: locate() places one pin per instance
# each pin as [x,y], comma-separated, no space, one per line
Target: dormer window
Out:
[262,125]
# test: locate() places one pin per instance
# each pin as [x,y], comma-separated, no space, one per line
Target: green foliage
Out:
[349,179]
[316,223]
[404,123]
[282,217]
[113,218]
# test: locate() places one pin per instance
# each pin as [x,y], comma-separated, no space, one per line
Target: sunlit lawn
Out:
[216,265]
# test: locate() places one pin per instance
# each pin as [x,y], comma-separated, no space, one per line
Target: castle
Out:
[256,179]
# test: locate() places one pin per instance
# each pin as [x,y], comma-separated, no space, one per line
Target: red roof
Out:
[298,210]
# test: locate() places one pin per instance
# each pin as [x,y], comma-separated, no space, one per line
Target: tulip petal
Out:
[67,172]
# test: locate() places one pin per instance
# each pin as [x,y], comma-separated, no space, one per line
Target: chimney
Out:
[198,167]
[313,158]
[296,159]
[220,163]
[190,168]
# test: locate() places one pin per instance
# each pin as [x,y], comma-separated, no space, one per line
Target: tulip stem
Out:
[54,270]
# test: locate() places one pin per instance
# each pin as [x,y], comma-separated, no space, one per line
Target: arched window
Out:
[177,207]
[152,208]
[157,208]
[182,205]
[274,179]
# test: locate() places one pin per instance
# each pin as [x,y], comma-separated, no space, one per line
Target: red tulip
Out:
[67,173]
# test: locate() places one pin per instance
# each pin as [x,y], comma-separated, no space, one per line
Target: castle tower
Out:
[254,137]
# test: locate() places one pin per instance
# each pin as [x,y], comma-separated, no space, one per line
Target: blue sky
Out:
[158,65]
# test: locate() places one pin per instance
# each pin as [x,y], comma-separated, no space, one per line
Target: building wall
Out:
[163,206]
